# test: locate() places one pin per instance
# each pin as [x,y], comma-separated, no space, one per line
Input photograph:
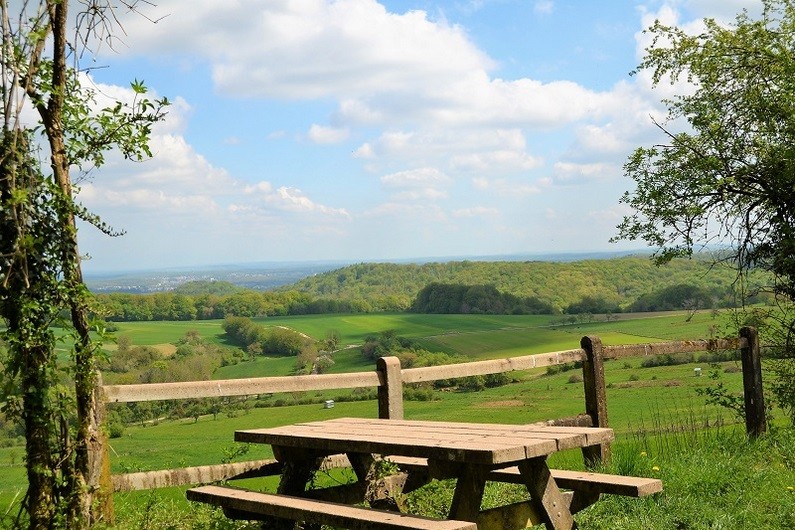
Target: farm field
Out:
[470,337]
[640,399]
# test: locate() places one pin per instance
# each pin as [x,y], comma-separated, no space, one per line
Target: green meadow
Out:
[657,400]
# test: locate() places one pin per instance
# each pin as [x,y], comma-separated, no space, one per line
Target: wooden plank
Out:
[545,496]
[662,348]
[192,475]
[606,483]
[468,495]
[318,512]
[577,480]
[238,387]
[412,438]
[446,430]
[477,450]
[566,439]
[595,398]
[495,366]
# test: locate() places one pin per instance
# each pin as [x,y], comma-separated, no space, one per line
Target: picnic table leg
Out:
[545,496]
[468,494]
[297,471]
[375,491]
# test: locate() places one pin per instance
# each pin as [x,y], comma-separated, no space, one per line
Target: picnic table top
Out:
[473,443]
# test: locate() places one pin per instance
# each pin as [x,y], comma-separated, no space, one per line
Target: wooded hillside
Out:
[532,287]
[617,282]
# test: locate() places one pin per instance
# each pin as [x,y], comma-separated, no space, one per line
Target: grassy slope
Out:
[638,397]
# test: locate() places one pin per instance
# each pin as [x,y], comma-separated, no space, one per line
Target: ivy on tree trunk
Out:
[40,272]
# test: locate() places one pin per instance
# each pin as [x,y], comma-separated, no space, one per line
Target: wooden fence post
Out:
[390,391]
[755,422]
[593,373]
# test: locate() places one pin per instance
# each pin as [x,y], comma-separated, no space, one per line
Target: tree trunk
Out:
[28,325]
[87,470]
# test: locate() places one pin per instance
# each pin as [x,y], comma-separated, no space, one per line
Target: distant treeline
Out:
[126,307]
[616,284]
[475,299]
[595,286]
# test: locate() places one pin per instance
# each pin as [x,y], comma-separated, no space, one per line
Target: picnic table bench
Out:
[423,450]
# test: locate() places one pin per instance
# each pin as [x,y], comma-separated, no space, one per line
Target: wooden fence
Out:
[389,379]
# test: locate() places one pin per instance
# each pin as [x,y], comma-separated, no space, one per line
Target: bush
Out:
[668,360]
[495,380]
[115,430]
[474,383]
[419,393]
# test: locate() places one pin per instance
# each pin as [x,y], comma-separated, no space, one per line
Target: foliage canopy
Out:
[728,178]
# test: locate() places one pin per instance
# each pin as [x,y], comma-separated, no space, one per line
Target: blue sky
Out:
[359,130]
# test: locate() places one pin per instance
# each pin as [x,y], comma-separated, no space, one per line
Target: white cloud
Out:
[576,173]
[435,128]
[507,187]
[426,176]
[288,199]
[724,10]
[309,49]
[327,135]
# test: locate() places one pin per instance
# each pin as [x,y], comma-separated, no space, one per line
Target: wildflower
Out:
[643,453]
[790,488]
[655,468]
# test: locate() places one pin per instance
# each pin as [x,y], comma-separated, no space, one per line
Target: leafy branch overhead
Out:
[726,178]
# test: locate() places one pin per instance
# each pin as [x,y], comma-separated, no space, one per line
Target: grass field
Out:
[640,399]
[471,337]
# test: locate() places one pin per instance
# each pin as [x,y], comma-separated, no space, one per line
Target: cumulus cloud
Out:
[512,188]
[416,184]
[576,173]
[288,199]
[327,135]
[422,177]
[433,124]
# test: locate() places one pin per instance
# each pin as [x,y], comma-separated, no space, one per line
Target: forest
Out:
[626,284]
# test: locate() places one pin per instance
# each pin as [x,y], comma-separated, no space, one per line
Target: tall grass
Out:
[713,479]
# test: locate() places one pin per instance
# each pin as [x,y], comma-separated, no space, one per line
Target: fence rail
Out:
[389,379]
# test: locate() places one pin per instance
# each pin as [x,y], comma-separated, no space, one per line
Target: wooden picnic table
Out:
[471,453]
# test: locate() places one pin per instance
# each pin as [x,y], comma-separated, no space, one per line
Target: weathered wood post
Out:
[593,373]
[755,421]
[390,390]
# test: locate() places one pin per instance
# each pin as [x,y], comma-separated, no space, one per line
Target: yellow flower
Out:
[643,453]
[655,468]
[790,488]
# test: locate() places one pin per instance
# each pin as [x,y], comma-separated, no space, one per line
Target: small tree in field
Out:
[728,177]
[40,272]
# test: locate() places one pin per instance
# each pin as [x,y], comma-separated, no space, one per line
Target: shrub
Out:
[667,360]
[474,383]
[495,380]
